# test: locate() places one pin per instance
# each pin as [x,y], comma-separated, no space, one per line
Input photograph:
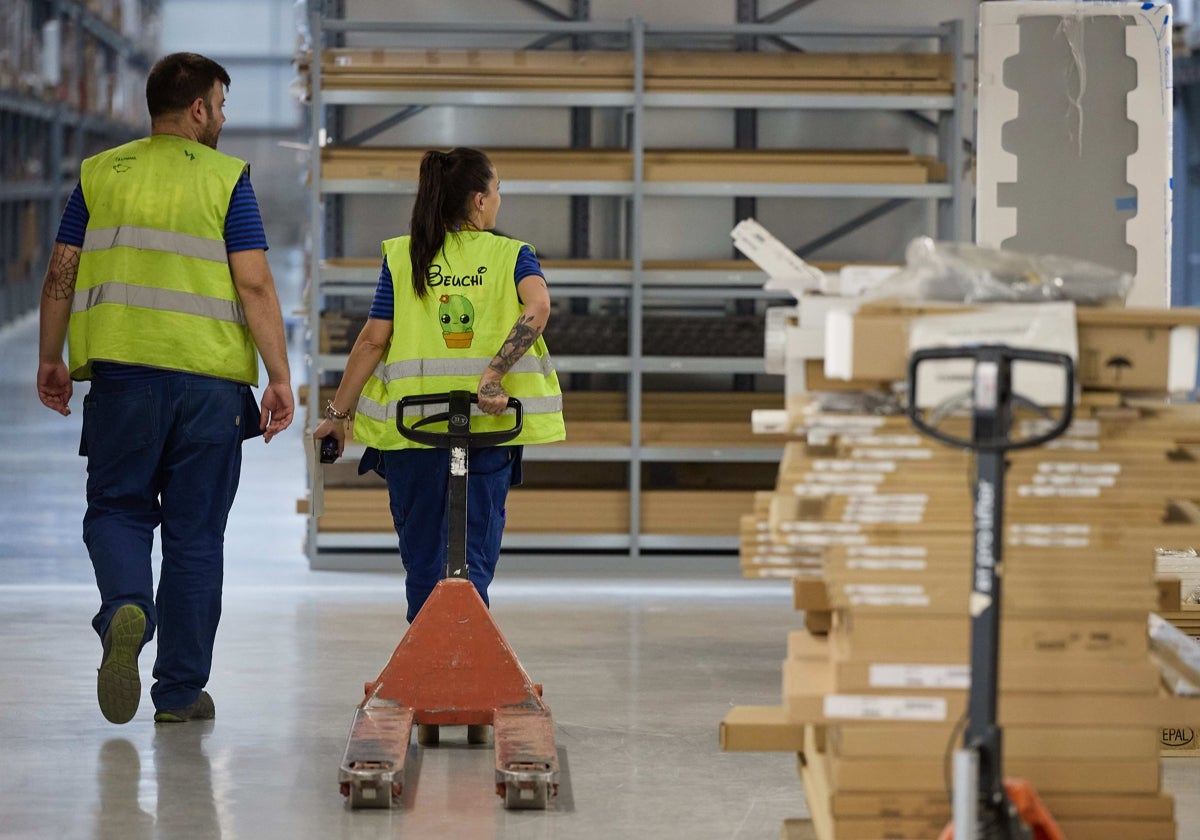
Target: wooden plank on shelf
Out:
[661,165]
[665,71]
[844,87]
[578,63]
[700,512]
[531,511]
[464,82]
[591,84]
[690,64]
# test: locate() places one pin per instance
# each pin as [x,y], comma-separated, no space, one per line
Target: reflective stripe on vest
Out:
[164,300]
[387,373]
[154,286]
[433,354]
[149,239]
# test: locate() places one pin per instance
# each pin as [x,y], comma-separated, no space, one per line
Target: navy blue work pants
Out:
[418,480]
[164,452]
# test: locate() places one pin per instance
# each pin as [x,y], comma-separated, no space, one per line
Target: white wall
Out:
[256,41]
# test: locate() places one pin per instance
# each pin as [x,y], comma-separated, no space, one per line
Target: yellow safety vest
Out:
[444,342]
[153,286]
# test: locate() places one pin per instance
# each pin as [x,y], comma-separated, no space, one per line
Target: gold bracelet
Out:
[335,415]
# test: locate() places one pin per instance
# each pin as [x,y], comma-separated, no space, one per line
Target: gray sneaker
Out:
[201,709]
[118,686]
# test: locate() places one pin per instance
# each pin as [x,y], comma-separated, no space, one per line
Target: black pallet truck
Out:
[986,806]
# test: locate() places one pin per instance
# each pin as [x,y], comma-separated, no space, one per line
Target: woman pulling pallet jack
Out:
[453,666]
[457,309]
[987,806]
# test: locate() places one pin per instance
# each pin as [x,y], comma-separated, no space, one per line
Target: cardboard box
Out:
[1109,828]
[760,729]
[1156,807]
[1119,349]
[882,740]
[1065,776]
[1077,169]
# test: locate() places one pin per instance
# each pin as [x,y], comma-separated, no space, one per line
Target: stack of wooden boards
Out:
[767,166]
[694,71]
[871,698]
[697,72]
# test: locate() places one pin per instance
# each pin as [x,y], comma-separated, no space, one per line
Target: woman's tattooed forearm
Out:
[60,280]
[516,345]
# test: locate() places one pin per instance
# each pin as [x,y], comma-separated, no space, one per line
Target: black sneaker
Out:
[118,686]
[202,709]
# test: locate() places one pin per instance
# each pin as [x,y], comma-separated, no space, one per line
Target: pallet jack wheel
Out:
[428,734]
[366,794]
[477,733]
[526,795]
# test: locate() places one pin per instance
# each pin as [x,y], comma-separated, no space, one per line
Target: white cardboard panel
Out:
[1148,105]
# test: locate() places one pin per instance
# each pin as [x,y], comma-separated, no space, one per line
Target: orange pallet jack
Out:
[453,667]
[986,806]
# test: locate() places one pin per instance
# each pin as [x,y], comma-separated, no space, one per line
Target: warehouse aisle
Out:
[638,674]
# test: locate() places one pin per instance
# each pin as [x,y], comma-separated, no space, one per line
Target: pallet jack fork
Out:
[453,667]
[986,806]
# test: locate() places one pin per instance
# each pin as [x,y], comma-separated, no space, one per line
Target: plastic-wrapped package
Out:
[964,273]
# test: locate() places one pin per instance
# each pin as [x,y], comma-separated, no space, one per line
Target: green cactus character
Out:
[457,317]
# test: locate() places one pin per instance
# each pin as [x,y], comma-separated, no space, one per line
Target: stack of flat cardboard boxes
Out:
[879,696]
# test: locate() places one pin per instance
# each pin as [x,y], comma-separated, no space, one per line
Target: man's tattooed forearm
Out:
[60,280]
[516,345]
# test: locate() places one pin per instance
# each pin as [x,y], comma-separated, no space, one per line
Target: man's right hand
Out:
[277,409]
[54,386]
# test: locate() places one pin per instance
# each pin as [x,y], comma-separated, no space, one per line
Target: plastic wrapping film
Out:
[965,273]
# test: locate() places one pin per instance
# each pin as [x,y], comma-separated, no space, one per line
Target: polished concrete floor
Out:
[639,670]
[638,673]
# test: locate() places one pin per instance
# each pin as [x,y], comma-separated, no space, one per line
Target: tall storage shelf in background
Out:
[72,75]
[647,466]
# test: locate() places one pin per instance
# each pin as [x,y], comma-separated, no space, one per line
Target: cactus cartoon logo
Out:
[457,317]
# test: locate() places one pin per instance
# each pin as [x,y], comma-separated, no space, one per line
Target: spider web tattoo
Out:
[60,282]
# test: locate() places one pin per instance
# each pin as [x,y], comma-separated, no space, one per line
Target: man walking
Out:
[160,287]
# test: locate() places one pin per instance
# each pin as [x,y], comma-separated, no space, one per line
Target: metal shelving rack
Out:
[340,550]
[50,139]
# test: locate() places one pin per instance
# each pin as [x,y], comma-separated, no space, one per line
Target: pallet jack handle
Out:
[991,395]
[458,418]
[458,438]
[985,805]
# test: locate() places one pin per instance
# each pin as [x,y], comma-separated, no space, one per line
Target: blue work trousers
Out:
[418,480]
[164,452]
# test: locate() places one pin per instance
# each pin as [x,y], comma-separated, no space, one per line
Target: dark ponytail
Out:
[445,185]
